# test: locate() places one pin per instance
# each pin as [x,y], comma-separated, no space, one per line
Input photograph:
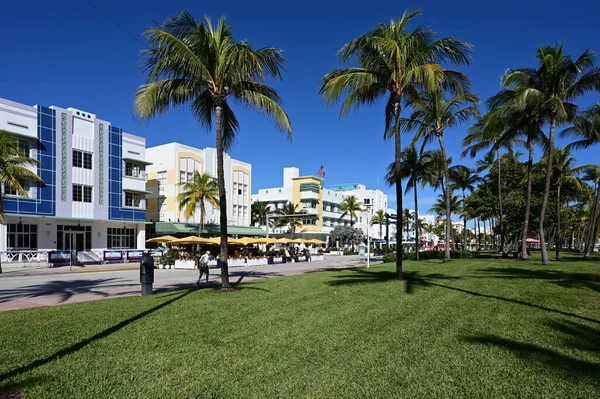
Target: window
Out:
[133,170]
[161,181]
[120,238]
[24,146]
[21,236]
[133,200]
[8,190]
[367,201]
[82,193]
[82,159]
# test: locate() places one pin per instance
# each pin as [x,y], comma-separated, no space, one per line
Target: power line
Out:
[116,23]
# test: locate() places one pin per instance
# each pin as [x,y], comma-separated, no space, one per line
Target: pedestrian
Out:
[203,267]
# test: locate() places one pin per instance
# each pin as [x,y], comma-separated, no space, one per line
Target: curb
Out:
[117,269]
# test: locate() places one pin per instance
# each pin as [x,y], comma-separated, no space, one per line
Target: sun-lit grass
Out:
[481,328]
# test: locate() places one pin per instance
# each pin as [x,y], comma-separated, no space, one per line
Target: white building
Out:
[90,199]
[175,163]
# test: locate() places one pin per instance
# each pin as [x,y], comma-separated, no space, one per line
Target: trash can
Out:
[147,274]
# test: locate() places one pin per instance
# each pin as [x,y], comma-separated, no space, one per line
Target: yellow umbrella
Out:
[249,240]
[266,240]
[283,241]
[190,240]
[217,241]
[318,242]
[162,239]
[296,241]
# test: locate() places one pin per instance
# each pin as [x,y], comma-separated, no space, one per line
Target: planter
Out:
[317,258]
[301,258]
[236,262]
[275,260]
[185,264]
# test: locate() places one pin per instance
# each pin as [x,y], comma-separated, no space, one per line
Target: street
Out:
[26,291]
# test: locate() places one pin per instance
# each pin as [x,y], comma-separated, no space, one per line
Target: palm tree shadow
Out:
[560,278]
[573,336]
[82,344]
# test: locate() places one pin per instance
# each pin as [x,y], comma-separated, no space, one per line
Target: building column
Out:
[3,237]
[141,236]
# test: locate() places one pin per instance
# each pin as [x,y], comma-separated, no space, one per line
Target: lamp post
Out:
[368,209]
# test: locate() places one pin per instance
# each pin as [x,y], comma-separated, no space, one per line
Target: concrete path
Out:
[28,291]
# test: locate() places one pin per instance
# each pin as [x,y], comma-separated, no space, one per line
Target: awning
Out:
[140,161]
[192,228]
[133,190]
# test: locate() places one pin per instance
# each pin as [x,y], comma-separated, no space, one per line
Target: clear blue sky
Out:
[65,53]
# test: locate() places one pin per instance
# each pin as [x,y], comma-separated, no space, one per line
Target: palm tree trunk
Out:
[524,255]
[478,240]
[398,170]
[417,235]
[590,240]
[484,236]
[500,220]
[202,212]
[222,199]
[464,238]
[545,258]
[557,243]
[448,194]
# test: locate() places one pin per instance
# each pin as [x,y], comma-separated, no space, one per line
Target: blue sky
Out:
[67,54]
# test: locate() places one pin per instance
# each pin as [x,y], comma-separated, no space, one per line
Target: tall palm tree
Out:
[195,193]
[592,174]
[293,221]
[564,173]
[199,63]
[349,206]
[379,218]
[13,169]
[440,208]
[432,114]
[550,89]
[395,63]
[433,173]
[407,215]
[464,179]
[259,211]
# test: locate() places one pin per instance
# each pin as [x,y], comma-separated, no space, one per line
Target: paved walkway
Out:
[18,291]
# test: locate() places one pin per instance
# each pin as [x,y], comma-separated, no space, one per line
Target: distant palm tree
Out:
[286,211]
[433,112]
[439,208]
[379,218]
[464,179]
[407,216]
[197,63]
[259,211]
[195,193]
[564,173]
[394,63]
[349,206]
[550,90]
[13,169]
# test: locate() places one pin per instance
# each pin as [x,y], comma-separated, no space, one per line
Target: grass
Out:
[479,328]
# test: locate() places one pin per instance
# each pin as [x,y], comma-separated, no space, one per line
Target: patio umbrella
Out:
[249,240]
[315,241]
[217,241]
[162,239]
[296,241]
[265,240]
[190,240]
[283,241]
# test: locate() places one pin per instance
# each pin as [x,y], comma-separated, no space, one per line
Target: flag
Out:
[321,171]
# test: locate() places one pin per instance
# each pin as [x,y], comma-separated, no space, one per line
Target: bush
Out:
[350,253]
[332,249]
[425,255]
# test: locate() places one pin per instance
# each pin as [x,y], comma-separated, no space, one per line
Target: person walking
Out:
[203,267]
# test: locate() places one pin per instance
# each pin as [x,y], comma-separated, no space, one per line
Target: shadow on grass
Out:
[15,390]
[560,278]
[574,336]
[82,344]
[414,280]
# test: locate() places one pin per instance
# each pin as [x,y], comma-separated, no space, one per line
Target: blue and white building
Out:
[94,183]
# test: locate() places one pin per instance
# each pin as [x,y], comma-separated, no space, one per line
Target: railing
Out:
[18,256]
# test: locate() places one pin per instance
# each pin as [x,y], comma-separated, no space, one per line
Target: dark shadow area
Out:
[65,289]
[15,390]
[82,344]
[560,278]
[573,335]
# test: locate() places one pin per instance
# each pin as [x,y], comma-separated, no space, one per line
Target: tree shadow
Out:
[15,390]
[82,344]
[65,289]
[560,278]
[573,336]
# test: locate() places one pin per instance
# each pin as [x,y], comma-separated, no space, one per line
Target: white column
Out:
[141,236]
[3,237]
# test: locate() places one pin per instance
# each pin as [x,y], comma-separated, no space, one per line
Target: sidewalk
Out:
[8,271]
[29,291]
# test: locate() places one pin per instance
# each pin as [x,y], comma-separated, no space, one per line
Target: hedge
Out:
[391,257]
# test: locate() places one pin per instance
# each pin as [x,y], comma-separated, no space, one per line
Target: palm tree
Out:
[592,173]
[200,64]
[286,211]
[349,206]
[433,173]
[486,134]
[432,114]
[407,215]
[13,169]
[259,211]
[564,173]
[395,63]
[195,193]
[440,208]
[379,218]
[464,179]
[550,90]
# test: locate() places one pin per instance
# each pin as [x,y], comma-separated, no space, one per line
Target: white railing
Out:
[30,256]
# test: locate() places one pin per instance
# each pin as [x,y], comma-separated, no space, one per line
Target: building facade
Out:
[175,163]
[321,205]
[92,195]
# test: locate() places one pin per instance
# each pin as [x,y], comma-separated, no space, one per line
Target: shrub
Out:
[350,253]
[389,258]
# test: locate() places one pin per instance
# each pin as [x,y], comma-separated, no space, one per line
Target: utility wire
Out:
[116,23]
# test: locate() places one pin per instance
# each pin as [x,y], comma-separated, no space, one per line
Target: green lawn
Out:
[481,328]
